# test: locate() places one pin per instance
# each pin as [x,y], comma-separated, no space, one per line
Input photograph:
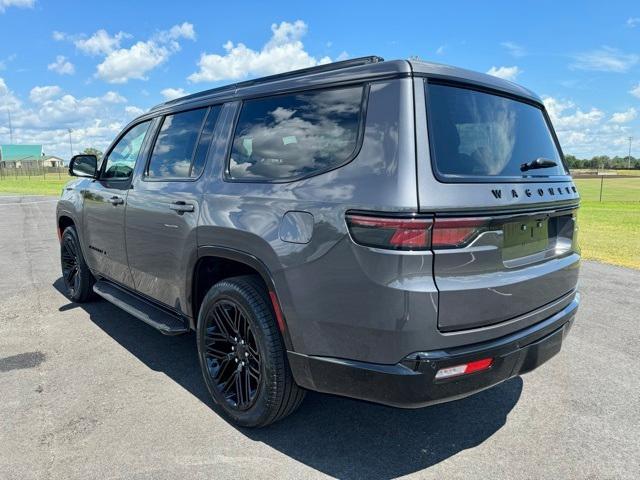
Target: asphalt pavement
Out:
[90,392]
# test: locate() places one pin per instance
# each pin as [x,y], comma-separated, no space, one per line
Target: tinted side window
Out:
[292,136]
[122,158]
[175,146]
[200,157]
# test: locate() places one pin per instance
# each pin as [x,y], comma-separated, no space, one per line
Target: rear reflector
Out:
[464,369]
[277,311]
[390,233]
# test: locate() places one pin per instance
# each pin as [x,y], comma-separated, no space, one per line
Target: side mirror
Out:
[84,165]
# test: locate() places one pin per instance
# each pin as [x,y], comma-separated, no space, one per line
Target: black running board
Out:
[164,321]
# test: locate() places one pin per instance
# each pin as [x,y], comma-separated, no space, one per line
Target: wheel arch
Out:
[214,263]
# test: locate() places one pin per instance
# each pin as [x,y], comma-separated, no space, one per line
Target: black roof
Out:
[353,70]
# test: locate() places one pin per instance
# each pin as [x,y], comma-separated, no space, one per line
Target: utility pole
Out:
[10,127]
[629,157]
[70,143]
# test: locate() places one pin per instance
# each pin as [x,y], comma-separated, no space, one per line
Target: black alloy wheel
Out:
[242,353]
[232,354]
[76,276]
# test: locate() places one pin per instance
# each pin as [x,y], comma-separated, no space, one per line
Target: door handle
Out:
[116,201]
[181,207]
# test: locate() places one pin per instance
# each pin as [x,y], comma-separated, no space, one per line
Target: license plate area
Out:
[524,238]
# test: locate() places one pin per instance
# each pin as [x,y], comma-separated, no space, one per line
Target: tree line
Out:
[603,161]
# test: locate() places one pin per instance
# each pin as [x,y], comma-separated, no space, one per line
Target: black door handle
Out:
[116,201]
[181,207]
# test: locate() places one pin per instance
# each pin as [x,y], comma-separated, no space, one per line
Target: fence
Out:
[609,188]
[31,170]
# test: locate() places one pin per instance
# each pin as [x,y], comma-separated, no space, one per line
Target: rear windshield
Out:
[477,134]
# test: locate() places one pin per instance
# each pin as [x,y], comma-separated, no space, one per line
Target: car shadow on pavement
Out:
[337,436]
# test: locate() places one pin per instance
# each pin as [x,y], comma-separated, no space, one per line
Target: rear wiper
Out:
[538,163]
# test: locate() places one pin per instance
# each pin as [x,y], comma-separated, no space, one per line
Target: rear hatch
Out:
[504,233]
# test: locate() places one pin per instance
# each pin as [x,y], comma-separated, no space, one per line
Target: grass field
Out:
[609,230]
[50,185]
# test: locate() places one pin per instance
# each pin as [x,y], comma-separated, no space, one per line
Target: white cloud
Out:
[624,117]
[441,49]
[133,111]
[633,22]
[94,120]
[135,62]
[635,91]
[586,133]
[4,4]
[514,49]
[506,73]
[113,97]
[284,51]
[605,59]
[62,66]
[176,32]
[5,61]
[100,43]
[42,94]
[173,93]
[58,36]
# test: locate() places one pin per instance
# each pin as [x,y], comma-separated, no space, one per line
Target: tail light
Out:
[390,233]
[457,232]
[414,233]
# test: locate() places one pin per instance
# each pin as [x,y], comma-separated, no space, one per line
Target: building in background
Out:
[27,156]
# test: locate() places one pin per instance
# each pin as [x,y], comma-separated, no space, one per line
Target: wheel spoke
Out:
[239,389]
[232,354]
[216,353]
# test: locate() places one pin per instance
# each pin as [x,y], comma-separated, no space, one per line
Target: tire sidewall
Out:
[259,411]
[84,274]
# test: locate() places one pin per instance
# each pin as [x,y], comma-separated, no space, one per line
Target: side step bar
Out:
[164,321]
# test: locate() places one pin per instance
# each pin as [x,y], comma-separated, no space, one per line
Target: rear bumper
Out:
[412,384]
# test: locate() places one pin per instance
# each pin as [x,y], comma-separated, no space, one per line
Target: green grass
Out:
[610,230]
[37,185]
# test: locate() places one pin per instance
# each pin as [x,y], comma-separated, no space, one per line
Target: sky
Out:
[91,67]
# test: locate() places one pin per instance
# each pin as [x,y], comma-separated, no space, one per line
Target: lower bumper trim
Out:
[412,383]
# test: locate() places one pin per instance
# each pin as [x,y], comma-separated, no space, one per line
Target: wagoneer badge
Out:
[551,191]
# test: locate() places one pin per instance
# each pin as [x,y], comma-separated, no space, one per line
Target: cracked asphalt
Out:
[90,392]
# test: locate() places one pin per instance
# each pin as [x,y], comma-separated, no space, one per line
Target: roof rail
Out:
[327,67]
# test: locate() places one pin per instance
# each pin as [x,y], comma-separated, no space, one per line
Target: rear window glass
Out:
[292,136]
[483,135]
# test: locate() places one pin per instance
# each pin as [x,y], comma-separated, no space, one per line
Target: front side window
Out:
[175,146]
[292,136]
[477,134]
[122,158]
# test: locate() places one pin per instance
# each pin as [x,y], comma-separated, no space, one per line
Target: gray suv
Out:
[401,232]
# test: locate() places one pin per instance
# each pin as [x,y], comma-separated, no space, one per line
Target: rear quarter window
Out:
[479,134]
[287,137]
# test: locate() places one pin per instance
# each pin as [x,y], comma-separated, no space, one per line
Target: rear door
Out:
[504,235]
[164,204]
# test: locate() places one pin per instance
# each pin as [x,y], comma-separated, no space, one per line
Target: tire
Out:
[77,277]
[244,361]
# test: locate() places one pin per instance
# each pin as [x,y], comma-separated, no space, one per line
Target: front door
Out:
[105,204]
[163,207]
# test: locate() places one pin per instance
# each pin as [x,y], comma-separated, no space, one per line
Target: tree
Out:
[93,151]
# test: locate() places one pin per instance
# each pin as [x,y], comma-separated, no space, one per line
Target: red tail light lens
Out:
[456,232]
[390,233]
